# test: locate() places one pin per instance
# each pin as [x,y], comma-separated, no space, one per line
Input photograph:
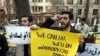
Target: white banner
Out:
[18,34]
[91,50]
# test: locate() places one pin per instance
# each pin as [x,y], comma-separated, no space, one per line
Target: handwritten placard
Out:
[91,50]
[18,34]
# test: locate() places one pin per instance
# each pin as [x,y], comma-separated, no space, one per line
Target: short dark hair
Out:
[83,19]
[30,18]
[1,10]
[68,12]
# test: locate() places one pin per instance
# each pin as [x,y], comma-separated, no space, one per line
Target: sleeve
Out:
[81,48]
[4,44]
[87,31]
[77,27]
[95,28]
[47,23]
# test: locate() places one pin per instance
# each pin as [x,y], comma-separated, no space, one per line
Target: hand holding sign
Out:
[33,27]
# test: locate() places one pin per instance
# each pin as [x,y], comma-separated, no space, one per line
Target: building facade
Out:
[8,5]
[40,6]
[80,8]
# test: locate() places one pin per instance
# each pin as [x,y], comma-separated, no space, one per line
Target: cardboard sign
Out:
[47,42]
[18,34]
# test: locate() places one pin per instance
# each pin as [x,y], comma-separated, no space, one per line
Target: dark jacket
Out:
[3,45]
[95,29]
[49,22]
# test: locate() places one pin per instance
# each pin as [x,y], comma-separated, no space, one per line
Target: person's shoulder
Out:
[98,24]
[74,30]
[86,25]
[56,28]
[1,35]
[78,24]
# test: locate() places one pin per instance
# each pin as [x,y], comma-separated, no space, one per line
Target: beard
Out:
[64,26]
[82,24]
[25,24]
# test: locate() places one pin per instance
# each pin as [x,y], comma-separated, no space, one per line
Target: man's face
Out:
[82,22]
[25,21]
[65,20]
[1,12]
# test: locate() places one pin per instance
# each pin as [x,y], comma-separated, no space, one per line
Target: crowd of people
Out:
[65,19]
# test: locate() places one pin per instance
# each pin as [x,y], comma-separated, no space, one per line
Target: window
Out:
[48,1]
[95,11]
[61,9]
[61,2]
[70,2]
[71,10]
[40,8]
[79,11]
[80,2]
[14,10]
[55,2]
[0,3]
[37,8]
[96,2]
[33,0]
[33,9]
[40,0]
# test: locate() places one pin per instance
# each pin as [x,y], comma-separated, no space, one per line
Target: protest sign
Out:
[18,34]
[47,42]
[91,50]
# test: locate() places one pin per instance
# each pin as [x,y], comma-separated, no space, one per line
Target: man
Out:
[3,45]
[96,28]
[1,15]
[3,42]
[65,19]
[3,19]
[26,21]
[83,27]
